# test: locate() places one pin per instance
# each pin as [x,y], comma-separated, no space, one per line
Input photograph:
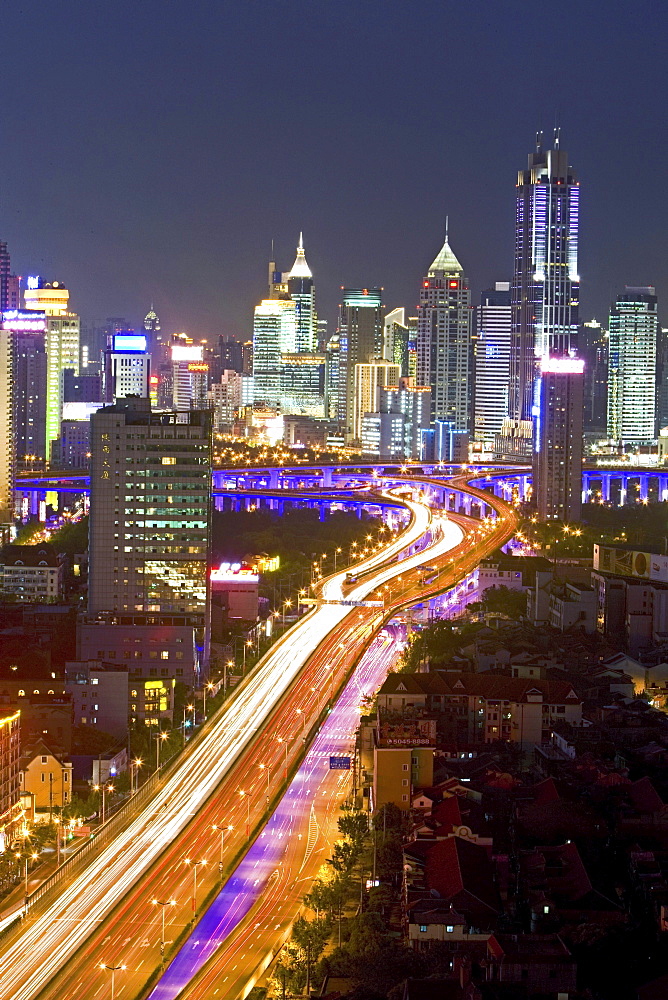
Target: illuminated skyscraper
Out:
[62,345]
[492,362]
[5,265]
[546,282]
[557,455]
[444,342]
[361,317]
[127,366]
[632,366]
[274,334]
[370,377]
[302,292]
[149,528]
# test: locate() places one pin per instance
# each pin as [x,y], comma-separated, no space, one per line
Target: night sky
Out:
[151,150]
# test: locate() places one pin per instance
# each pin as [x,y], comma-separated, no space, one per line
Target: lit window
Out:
[164,655]
[168,461]
[449,929]
[423,928]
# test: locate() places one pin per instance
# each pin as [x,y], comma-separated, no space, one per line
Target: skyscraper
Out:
[593,349]
[444,342]
[361,318]
[302,292]
[127,366]
[30,368]
[149,528]
[492,362]
[370,377]
[7,442]
[395,338]
[557,456]
[5,265]
[632,366]
[274,334]
[545,289]
[62,345]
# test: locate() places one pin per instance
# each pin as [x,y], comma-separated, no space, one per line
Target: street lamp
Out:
[191,708]
[280,739]
[162,903]
[195,865]
[300,711]
[158,737]
[207,687]
[246,795]
[134,774]
[265,767]
[336,553]
[222,842]
[287,604]
[104,789]
[228,666]
[246,645]
[113,969]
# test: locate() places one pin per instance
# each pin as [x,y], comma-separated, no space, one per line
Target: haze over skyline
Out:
[152,152]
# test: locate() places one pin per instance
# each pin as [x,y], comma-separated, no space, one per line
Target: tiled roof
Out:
[485,685]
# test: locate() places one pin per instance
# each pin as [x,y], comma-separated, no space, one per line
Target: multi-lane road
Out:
[224,780]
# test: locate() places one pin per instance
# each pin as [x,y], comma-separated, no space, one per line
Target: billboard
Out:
[192,353]
[130,342]
[24,321]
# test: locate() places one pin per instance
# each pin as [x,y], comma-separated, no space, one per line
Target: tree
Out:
[353,825]
[505,601]
[343,857]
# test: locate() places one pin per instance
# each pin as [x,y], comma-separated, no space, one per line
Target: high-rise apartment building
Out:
[62,345]
[492,362]
[546,282]
[557,455]
[632,366]
[361,318]
[5,267]
[395,339]
[332,374]
[149,529]
[190,376]
[274,334]
[7,440]
[444,341]
[30,367]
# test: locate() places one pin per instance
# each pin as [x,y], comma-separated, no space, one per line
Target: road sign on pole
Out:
[339,763]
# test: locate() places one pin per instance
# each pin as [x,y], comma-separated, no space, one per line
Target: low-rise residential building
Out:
[539,963]
[485,707]
[31,573]
[10,792]
[403,759]
[572,605]
[46,777]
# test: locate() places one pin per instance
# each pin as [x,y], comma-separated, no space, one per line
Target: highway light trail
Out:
[27,963]
[293,817]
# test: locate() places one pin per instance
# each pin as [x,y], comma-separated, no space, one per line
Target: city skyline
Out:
[153,198]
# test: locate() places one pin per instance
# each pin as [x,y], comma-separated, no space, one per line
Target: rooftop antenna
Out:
[539,141]
[272,250]
[447,227]
[557,130]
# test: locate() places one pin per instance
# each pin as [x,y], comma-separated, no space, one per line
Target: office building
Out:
[491,362]
[557,456]
[301,291]
[369,379]
[593,349]
[62,345]
[190,376]
[155,339]
[632,366]
[72,449]
[332,377]
[396,338]
[303,384]
[149,515]
[29,362]
[82,388]
[127,366]
[274,334]
[397,429]
[230,356]
[361,318]
[546,282]
[444,341]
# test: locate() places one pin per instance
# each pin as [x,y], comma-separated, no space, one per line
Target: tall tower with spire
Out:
[302,292]
[444,341]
